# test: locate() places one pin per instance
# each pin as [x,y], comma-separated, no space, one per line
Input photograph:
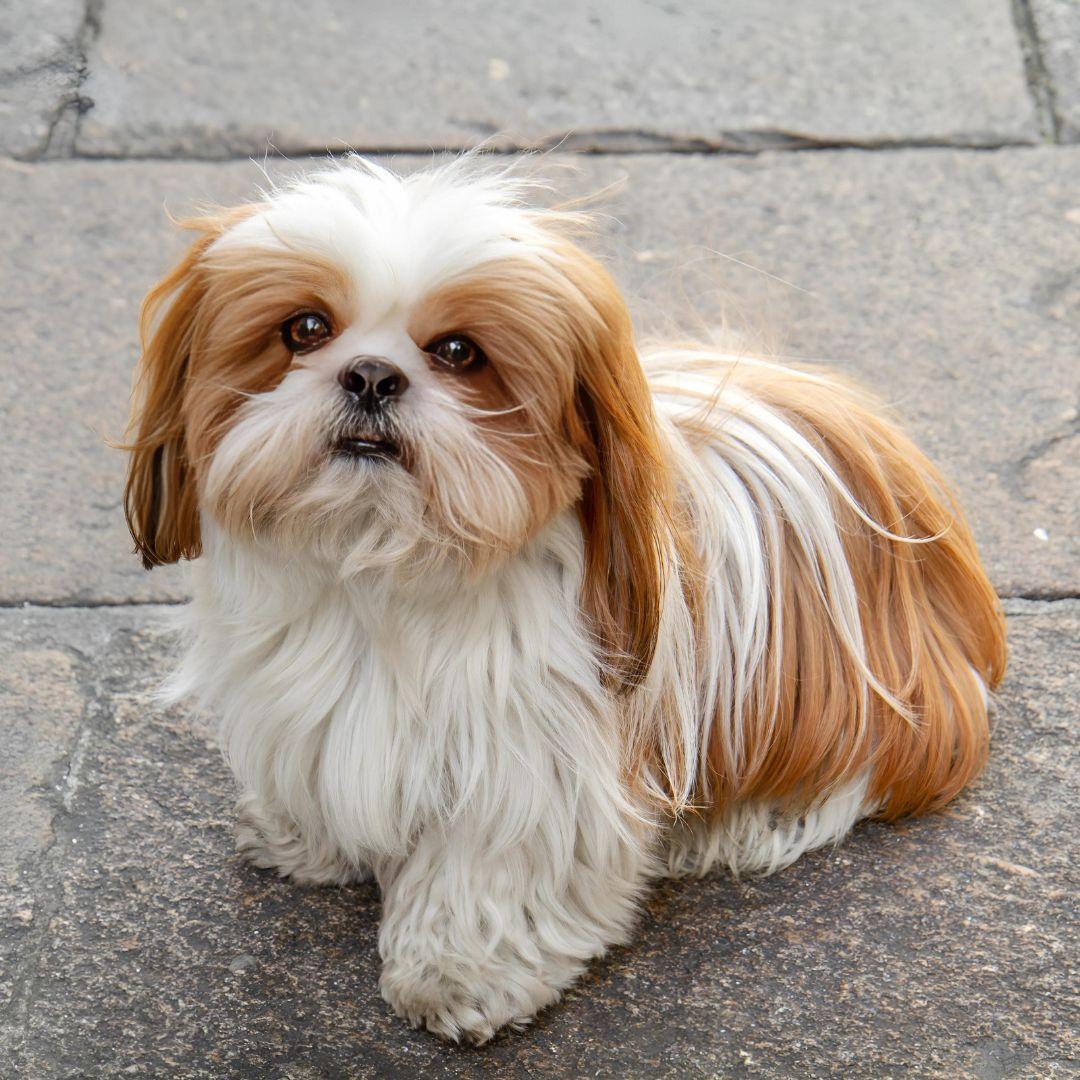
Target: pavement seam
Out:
[599,143]
[1036,74]
[92,604]
[1043,596]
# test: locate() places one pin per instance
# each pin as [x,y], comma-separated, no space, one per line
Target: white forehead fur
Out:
[398,238]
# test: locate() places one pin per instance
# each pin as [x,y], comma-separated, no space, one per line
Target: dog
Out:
[512,615]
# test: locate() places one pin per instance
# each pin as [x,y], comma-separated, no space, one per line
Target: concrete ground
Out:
[892,187]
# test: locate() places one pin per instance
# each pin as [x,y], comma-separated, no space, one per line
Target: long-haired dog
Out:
[512,616]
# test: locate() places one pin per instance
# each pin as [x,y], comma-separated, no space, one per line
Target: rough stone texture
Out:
[936,948]
[40,69]
[1057,28]
[211,79]
[945,280]
[41,707]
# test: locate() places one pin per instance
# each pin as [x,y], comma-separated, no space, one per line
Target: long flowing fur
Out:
[613,612]
[849,633]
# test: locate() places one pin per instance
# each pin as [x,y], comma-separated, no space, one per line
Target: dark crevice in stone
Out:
[1042,448]
[1041,595]
[1015,473]
[62,604]
[597,143]
[63,134]
[1036,74]
[77,603]
[753,141]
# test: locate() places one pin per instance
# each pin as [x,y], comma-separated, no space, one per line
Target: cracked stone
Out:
[33,34]
[212,80]
[39,69]
[1057,24]
[934,947]
[41,705]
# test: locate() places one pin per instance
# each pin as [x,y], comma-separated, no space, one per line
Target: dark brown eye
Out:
[458,352]
[305,331]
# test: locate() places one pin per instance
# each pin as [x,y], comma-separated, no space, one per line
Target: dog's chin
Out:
[357,508]
[365,496]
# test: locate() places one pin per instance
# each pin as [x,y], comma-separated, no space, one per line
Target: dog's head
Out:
[373,370]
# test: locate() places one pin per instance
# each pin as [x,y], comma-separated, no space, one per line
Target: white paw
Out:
[468,1008]
[292,858]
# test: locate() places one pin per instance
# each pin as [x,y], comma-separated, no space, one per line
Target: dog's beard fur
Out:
[279,479]
[584,624]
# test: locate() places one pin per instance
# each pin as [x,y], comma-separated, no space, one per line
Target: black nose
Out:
[371,379]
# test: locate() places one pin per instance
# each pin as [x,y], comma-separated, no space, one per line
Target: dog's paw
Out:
[287,853]
[465,1008]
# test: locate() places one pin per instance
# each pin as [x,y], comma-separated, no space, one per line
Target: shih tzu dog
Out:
[513,616]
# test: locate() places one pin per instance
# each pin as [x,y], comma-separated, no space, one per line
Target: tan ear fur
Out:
[160,501]
[626,505]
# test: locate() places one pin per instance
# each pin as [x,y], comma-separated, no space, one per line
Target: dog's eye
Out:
[305,331]
[457,352]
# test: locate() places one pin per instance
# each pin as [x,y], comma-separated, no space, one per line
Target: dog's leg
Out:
[272,841]
[476,936]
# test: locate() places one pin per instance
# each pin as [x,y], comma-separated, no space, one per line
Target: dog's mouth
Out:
[368,446]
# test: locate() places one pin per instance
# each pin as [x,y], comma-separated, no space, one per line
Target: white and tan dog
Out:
[512,616]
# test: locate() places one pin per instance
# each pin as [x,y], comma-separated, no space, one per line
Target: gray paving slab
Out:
[938,947]
[40,69]
[211,79]
[945,280]
[1057,28]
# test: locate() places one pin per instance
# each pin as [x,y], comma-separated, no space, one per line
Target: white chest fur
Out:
[365,710]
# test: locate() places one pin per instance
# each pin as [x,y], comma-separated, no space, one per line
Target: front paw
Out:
[285,851]
[468,1002]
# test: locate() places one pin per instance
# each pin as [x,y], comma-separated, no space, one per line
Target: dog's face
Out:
[373,370]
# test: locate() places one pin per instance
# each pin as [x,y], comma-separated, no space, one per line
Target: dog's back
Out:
[847,631]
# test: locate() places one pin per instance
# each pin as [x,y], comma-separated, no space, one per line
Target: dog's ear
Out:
[626,502]
[160,501]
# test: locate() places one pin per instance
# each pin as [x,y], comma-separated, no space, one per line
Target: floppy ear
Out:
[160,502]
[626,504]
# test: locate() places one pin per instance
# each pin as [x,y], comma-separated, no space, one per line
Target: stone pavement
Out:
[892,188]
